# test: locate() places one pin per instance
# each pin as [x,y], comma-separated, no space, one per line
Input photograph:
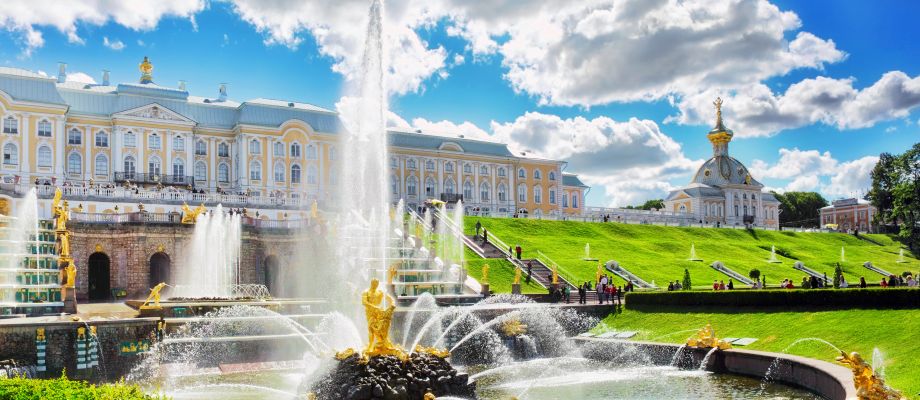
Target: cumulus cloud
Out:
[811,170]
[757,111]
[80,77]
[21,16]
[116,44]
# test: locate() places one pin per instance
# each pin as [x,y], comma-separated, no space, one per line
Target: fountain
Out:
[901,258]
[773,259]
[693,256]
[213,256]
[588,253]
[843,257]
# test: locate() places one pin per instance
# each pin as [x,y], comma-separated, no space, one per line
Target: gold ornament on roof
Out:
[868,385]
[718,104]
[146,68]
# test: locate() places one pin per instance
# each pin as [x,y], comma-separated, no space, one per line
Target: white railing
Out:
[563,273]
[167,194]
[175,218]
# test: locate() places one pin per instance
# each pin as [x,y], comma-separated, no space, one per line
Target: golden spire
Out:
[146,68]
[718,104]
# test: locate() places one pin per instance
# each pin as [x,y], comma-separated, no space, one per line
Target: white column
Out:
[477,194]
[115,143]
[512,175]
[212,167]
[190,156]
[24,149]
[140,142]
[60,142]
[167,163]
[321,149]
[439,188]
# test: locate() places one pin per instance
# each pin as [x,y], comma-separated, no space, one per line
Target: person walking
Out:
[600,293]
[567,293]
[518,251]
[478,227]
[529,271]
[485,236]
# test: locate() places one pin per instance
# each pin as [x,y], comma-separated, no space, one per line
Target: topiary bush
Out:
[781,298]
[66,389]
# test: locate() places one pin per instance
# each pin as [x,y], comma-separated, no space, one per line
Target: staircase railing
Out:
[563,273]
[801,267]
[719,266]
[868,265]
[623,273]
[458,232]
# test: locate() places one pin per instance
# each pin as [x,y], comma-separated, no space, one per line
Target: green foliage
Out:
[896,193]
[838,276]
[754,274]
[877,298]
[800,209]
[687,284]
[66,389]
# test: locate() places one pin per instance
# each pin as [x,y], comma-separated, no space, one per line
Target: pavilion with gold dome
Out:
[723,192]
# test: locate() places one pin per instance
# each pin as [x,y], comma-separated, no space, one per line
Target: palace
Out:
[127,144]
[722,191]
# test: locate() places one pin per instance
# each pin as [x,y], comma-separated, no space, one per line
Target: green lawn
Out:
[660,254]
[501,274]
[893,332]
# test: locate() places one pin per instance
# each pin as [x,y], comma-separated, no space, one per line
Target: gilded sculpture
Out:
[513,327]
[868,385]
[517,276]
[485,274]
[154,298]
[555,275]
[597,274]
[59,210]
[706,338]
[190,216]
[391,273]
[379,307]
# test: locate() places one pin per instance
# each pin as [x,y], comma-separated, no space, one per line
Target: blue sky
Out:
[622,90]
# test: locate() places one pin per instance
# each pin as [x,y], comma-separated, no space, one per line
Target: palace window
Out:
[449,167]
[552,175]
[574,200]
[44,128]
[537,175]
[178,169]
[130,167]
[154,142]
[565,200]
[411,163]
[429,165]
[754,211]
[736,210]
[449,186]
[467,169]
[295,150]
[102,165]
[467,190]
[552,196]
[311,175]
[311,152]
[74,164]
[102,139]
[130,139]
[502,192]
[537,194]
[394,185]
[201,171]
[522,174]
[483,170]
[44,156]
[255,171]
[201,148]
[501,171]
[178,143]
[412,186]
[74,137]
[295,173]
[278,149]
[683,208]
[10,125]
[154,166]
[223,172]
[522,193]
[279,172]
[254,147]
[430,187]
[332,153]
[484,192]
[10,154]
[223,150]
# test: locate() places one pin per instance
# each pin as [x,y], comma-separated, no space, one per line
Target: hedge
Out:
[66,389]
[814,298]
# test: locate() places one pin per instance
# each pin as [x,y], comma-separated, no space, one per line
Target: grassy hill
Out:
[657,253]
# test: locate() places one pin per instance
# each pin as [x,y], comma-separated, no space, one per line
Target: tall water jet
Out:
[18,238]
[901,259]
[773,259]
[693,256]
[212,257]
[843,254]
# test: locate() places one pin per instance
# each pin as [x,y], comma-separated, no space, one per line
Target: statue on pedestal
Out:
[378,322]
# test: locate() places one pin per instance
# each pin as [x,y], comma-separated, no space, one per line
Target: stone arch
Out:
[272,275]
[99,276]
[160,266]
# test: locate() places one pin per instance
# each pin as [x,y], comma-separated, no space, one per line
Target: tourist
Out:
[629,286]
[893,281]
[677,285]
[603,281]
[614,295]
[599,289]
[814,283]
[843,282]
[862,282]
[620,295]
[478,227]
[883,283]
[566,293]
[825,282]
[789,284]
[485,236]
[582,292]
[911,282]
[518,250]
[721,285]
[806,284]
[529,271]
[731,285]
[670,286]
[715,285]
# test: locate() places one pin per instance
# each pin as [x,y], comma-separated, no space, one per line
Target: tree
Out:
[838,276]
[754,274]
[881,192]
[896,186]
[687,284]
[800,209]
[656,204]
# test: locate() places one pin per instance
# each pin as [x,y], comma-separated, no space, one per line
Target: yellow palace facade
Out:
[129,144]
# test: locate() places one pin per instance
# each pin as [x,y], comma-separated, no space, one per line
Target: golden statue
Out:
[706,338]
[190,216]
[68,274]
[440,353]
[555,275]
[154,297]
[517,276]
[146,68]
[597,274]
[378,322]
[718,104]
[314,213]
[485,274]
[391,273]
[65,243]
[429,396]
[59,210]
[40,334]
[868,385]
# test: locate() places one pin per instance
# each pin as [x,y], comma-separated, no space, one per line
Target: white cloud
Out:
[756,111]
[22,17]
[80,77]
[446,128]
[852,178]
[116,44]
[810,170]
[141,43]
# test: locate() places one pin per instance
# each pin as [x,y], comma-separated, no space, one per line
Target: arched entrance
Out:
[272,276]
[159,268]
[98,269]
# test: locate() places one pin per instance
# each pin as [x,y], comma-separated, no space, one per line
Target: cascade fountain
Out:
[773,259]
[693,256]
[843,254]
[901,258]
[212,257]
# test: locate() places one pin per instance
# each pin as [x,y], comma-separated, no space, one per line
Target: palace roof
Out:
[422,141]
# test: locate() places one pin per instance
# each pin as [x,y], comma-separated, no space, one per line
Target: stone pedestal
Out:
[70,300]
[485,290]
[515,288]
[555,286]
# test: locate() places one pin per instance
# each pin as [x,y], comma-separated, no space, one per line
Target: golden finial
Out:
[146,68]
[718,104]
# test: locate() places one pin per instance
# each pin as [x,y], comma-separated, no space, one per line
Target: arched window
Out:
[502,192]
[178,168]
[332,153]
[467,168]
[522,193]
[154,141]
[279,172]
[223,150]
[412,186]
[394,185]
[10,125]
[178,143]
[449,186]
[411,164]
[537,194]
[311,175]
[44,128]
[522,173]
[154,166]
[255,171]
[449,167]
[311,152]
[201,148]
[44,156]
[74,137]
[295,150]
[295,173]
[278,149]
[483,170]
[254,147]
[10,154]
[574,200]
[501,171]
[130,167]
[430,187]
[223,172]
[736,210]
[754,210]
[484,192]
[467,191]
[565,200]
[74,164]
[102,165]
[537,175]
[552,175]
[552,196]
[130,139]
[429,165]
[201,171]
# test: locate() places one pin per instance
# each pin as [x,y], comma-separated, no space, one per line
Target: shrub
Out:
[687,284]
[838,276]
[754,274]
[782,298]
[66,389]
